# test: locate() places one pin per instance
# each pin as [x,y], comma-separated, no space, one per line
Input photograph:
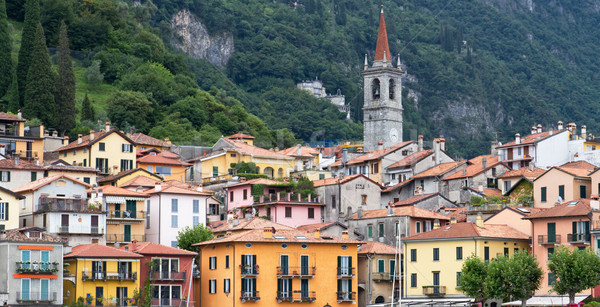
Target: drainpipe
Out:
[159,215]
[190,284]
[370,262]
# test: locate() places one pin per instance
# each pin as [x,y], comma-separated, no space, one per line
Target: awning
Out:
[548,300]
[121,199]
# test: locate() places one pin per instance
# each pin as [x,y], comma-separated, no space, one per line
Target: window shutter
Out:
[349,262]
[8,176]
[339,261]
[6,212]
[254,259]
[244,284]
[123,147]
[586,224]
[243,260]
[574,227]
[339,287]
[253,286]
[279,282]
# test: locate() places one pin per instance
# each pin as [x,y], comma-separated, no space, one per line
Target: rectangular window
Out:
[506,251]
[196,220]
[550,252]
[174,205]
[101,147]
[212,286]
[86,180]
[551,279]
[333,202]
[486,253]
[212,263]
[381,265]
[364,200]
[174,221]
[436,254]
[311,213]
[543,197]
[245,194]
[582,191]
[413,255]
[102,165]
[227,261]
[231,196]
[126,165]
[375,168]
[418,227]
[196,206]
[459,255]
[5,176]
[164,170]
[561,192]
[3,211]
[227,285]
[413,280]
[33,176]
[127,148]
[288,211]
[370,231]
[25,288]
[458,278]
[215,171]
[381,231]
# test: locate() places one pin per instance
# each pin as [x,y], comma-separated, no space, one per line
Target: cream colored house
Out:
[9,208]
[567,182]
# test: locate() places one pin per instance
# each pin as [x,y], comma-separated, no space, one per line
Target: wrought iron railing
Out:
[578,237]
[545,239]
[249,296]
[345,272]
[434,290]
[37,267]
[44,296]
[343,296]
[167,275]
[249,270]
[109,276]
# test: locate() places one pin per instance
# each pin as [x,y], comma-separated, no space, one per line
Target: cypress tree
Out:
[32,18]
[87,112]
[65,84]
[5,52]
[39,94]
[13,94]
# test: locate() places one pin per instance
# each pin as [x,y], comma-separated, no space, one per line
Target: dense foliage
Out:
[6,65]
[514,278]
[65,84]
[189,236]
[574,271]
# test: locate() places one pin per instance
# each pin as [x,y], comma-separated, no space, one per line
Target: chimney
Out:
[107,126]
[484,162]
[17,159]
[299,150]
[442,144]
[158,187]
[2,149]
[560,125]
[494,150]
[595,205]
[55,133]
[479,221]
[390,209]
[168,141]
[420,142]
[359,212]
[19,114]
[539,128]
[66,140]
[452,220]
[531,166]
[573,128]
[344,234]
[436,151]
[436,224]
[91,135]
[79,139]
[533,130]
[583,131]
[317,234]
[344,156]
[379,145]
[242,179]
[268,232]
[518,138]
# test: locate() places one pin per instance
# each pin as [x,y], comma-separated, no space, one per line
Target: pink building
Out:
[514,217]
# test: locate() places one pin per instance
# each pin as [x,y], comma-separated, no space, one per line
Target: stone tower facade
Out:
[382,88]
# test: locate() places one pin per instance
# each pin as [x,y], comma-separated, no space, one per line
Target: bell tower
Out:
[382,87]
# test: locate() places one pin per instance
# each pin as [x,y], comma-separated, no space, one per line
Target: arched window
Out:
[268,171]
[376,89]
[379,300]
[391,89]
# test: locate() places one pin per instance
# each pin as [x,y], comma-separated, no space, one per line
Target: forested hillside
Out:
[476,69]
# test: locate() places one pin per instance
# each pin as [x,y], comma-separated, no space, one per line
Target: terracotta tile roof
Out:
[157,159]
[19,235]
[332,181]
[85,140]
[411,211]
[168,154]
[415,199]
[524,211]
[305,151]
[119,175]
[469,230]
[140,180]
[492,192]
[474,167]
[570,208]
[254,181]
[523,172]
[578,168]
[16,195]
[319,226]
[378,248]
[142,139]
[99,251]
[382,41]
[70,168]
[397,186]
[116,191]
[440,169]
[240,136]
[374,155]
[155,249]
[532,138]
[254,223]
[34,185]
[329,151]
[412,159]
[289,236]
[10,117]
[23,165]
[458,213]
[246,149]
[174,189]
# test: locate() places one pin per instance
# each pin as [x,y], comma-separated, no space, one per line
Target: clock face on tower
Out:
[394,135]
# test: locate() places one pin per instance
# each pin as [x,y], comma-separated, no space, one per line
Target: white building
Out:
[316,88]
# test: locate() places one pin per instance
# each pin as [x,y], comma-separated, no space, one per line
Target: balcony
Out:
[285,197]
[345,272]
[304,296]
[485,208]
[126,215]
[249,296]
[434,290]
[385,276]
[346,297]
[121,238]
[582,238]
[284,296]
[167,302]
[167,276]
[296,271]
[120,276]
[35,267]
[36,297]
[249,270]
[545,239]
[79,229]
[64,204]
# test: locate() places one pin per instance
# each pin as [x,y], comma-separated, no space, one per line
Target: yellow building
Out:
[85,174]
[123,177]
[270,267]
[434,259]
[165,164]
[16,139]
[238,148]
[109,151]
[9,209]
[126,219]
[144,142]
[101,274]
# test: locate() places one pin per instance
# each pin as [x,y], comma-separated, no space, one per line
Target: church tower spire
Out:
[382,51]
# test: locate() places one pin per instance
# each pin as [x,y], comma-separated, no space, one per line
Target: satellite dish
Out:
[559,199]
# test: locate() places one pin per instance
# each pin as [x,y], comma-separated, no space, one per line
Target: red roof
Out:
[469,230]
[99,251]
[158,159]
[336,180]
[240,136]
[155,249]
[24,165]
[6,116]
[378,248]
[34,185]
[319,226]
[532,138]
[254,223]
[411,211]
[570,208]
[305,151]
[140,180]
[116,191]
[374,155]
[142,139]
[85,140]
[399,185]
[475,167]
[412,159]
[280,236]
[382,41]
[524,172]
[439,169]
[166,189]
[415,199]
[246,149]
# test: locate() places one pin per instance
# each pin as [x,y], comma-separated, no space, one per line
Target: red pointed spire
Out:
[382,41]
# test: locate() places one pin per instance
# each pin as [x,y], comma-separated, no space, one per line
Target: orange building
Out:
[162,163]
[278,267]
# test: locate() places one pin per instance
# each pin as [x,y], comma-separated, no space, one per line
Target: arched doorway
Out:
[379,300]
[268,171]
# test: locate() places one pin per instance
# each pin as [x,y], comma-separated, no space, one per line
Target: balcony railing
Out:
[167,302]
[346,296]
[578,238]
[124,215]
[345,272]
[252,296]
[36,296]
[296,271]
[383,276]
[434,290]
[286,197]
[167,275]
[121,238]
[35,267]
[485,207]
[545,239]
[304,296]
[64,204]
[249,270]
[284,296]
[109,276]
[79,229]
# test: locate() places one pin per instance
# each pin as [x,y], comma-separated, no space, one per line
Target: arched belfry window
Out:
[391,88]
[376,89]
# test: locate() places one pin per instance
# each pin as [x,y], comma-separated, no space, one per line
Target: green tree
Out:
[92,75]
[179,130]
[514,278]
[575,271]
[65,84]
[39,93]
[474,272]
[87,111]
[13,94]
[6,65]
[133,108]
[32,19]
[189,236]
